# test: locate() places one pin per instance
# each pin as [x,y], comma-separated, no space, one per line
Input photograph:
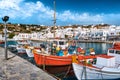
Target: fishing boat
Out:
[29,51]
[51,62]
[12,48]
[20,46]
[20,49]
[96,67]
[54,58]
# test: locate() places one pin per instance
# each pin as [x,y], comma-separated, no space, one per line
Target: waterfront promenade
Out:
[16,68]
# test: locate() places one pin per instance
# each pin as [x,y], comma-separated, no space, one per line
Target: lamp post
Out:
[5,19]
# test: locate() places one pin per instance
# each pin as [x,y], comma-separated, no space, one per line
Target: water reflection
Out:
[98,47]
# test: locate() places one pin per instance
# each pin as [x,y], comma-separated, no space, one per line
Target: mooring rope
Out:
[67,71]
[101,74]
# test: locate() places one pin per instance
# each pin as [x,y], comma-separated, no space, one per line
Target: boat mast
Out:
[54,21]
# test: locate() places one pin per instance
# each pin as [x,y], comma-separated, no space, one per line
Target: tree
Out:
[1,27]
[11,35]
[66,36]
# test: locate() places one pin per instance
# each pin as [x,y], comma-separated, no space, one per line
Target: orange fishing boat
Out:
[52,60]
[52,63]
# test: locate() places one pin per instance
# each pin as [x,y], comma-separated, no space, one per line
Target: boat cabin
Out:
[115,53]
[59,43]
[105,60]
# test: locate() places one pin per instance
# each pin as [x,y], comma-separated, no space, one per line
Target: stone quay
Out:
[17,68]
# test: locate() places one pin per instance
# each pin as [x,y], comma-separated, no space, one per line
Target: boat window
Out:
[55,42]
[61,43]
[117,52]
[111,51]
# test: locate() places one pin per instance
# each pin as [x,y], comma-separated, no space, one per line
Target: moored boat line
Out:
[56,67]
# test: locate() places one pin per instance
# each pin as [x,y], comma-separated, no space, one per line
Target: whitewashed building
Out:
[1,37]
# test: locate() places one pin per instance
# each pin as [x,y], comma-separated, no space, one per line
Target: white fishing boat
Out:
[17,48]
[20,46]
[12,48]
[101,66]
[20,49]
[29,51]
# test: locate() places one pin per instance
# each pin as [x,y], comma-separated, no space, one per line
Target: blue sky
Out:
[67,11]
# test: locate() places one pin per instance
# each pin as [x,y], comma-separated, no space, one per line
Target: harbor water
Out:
[100,48]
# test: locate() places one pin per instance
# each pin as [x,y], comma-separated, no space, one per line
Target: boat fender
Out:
[74,58]
[34,51]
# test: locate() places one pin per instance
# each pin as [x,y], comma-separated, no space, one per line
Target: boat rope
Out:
[82,73]
[85,73]
[60,74]
[54,76]
[67,71]
[101,74]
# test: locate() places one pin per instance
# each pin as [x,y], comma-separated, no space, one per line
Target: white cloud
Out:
[19,8]
[83,17]
[9,4]
[31,12]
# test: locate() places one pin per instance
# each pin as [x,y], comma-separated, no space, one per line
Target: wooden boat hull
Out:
[58,65]
[59,70]
[51,60]
[21,51]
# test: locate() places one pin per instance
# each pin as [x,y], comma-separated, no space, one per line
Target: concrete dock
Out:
[17,68]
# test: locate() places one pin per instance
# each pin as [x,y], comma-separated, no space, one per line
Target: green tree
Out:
[11,35]
[66,36]
[1,27]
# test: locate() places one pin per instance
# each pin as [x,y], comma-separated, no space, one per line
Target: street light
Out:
[5,19]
